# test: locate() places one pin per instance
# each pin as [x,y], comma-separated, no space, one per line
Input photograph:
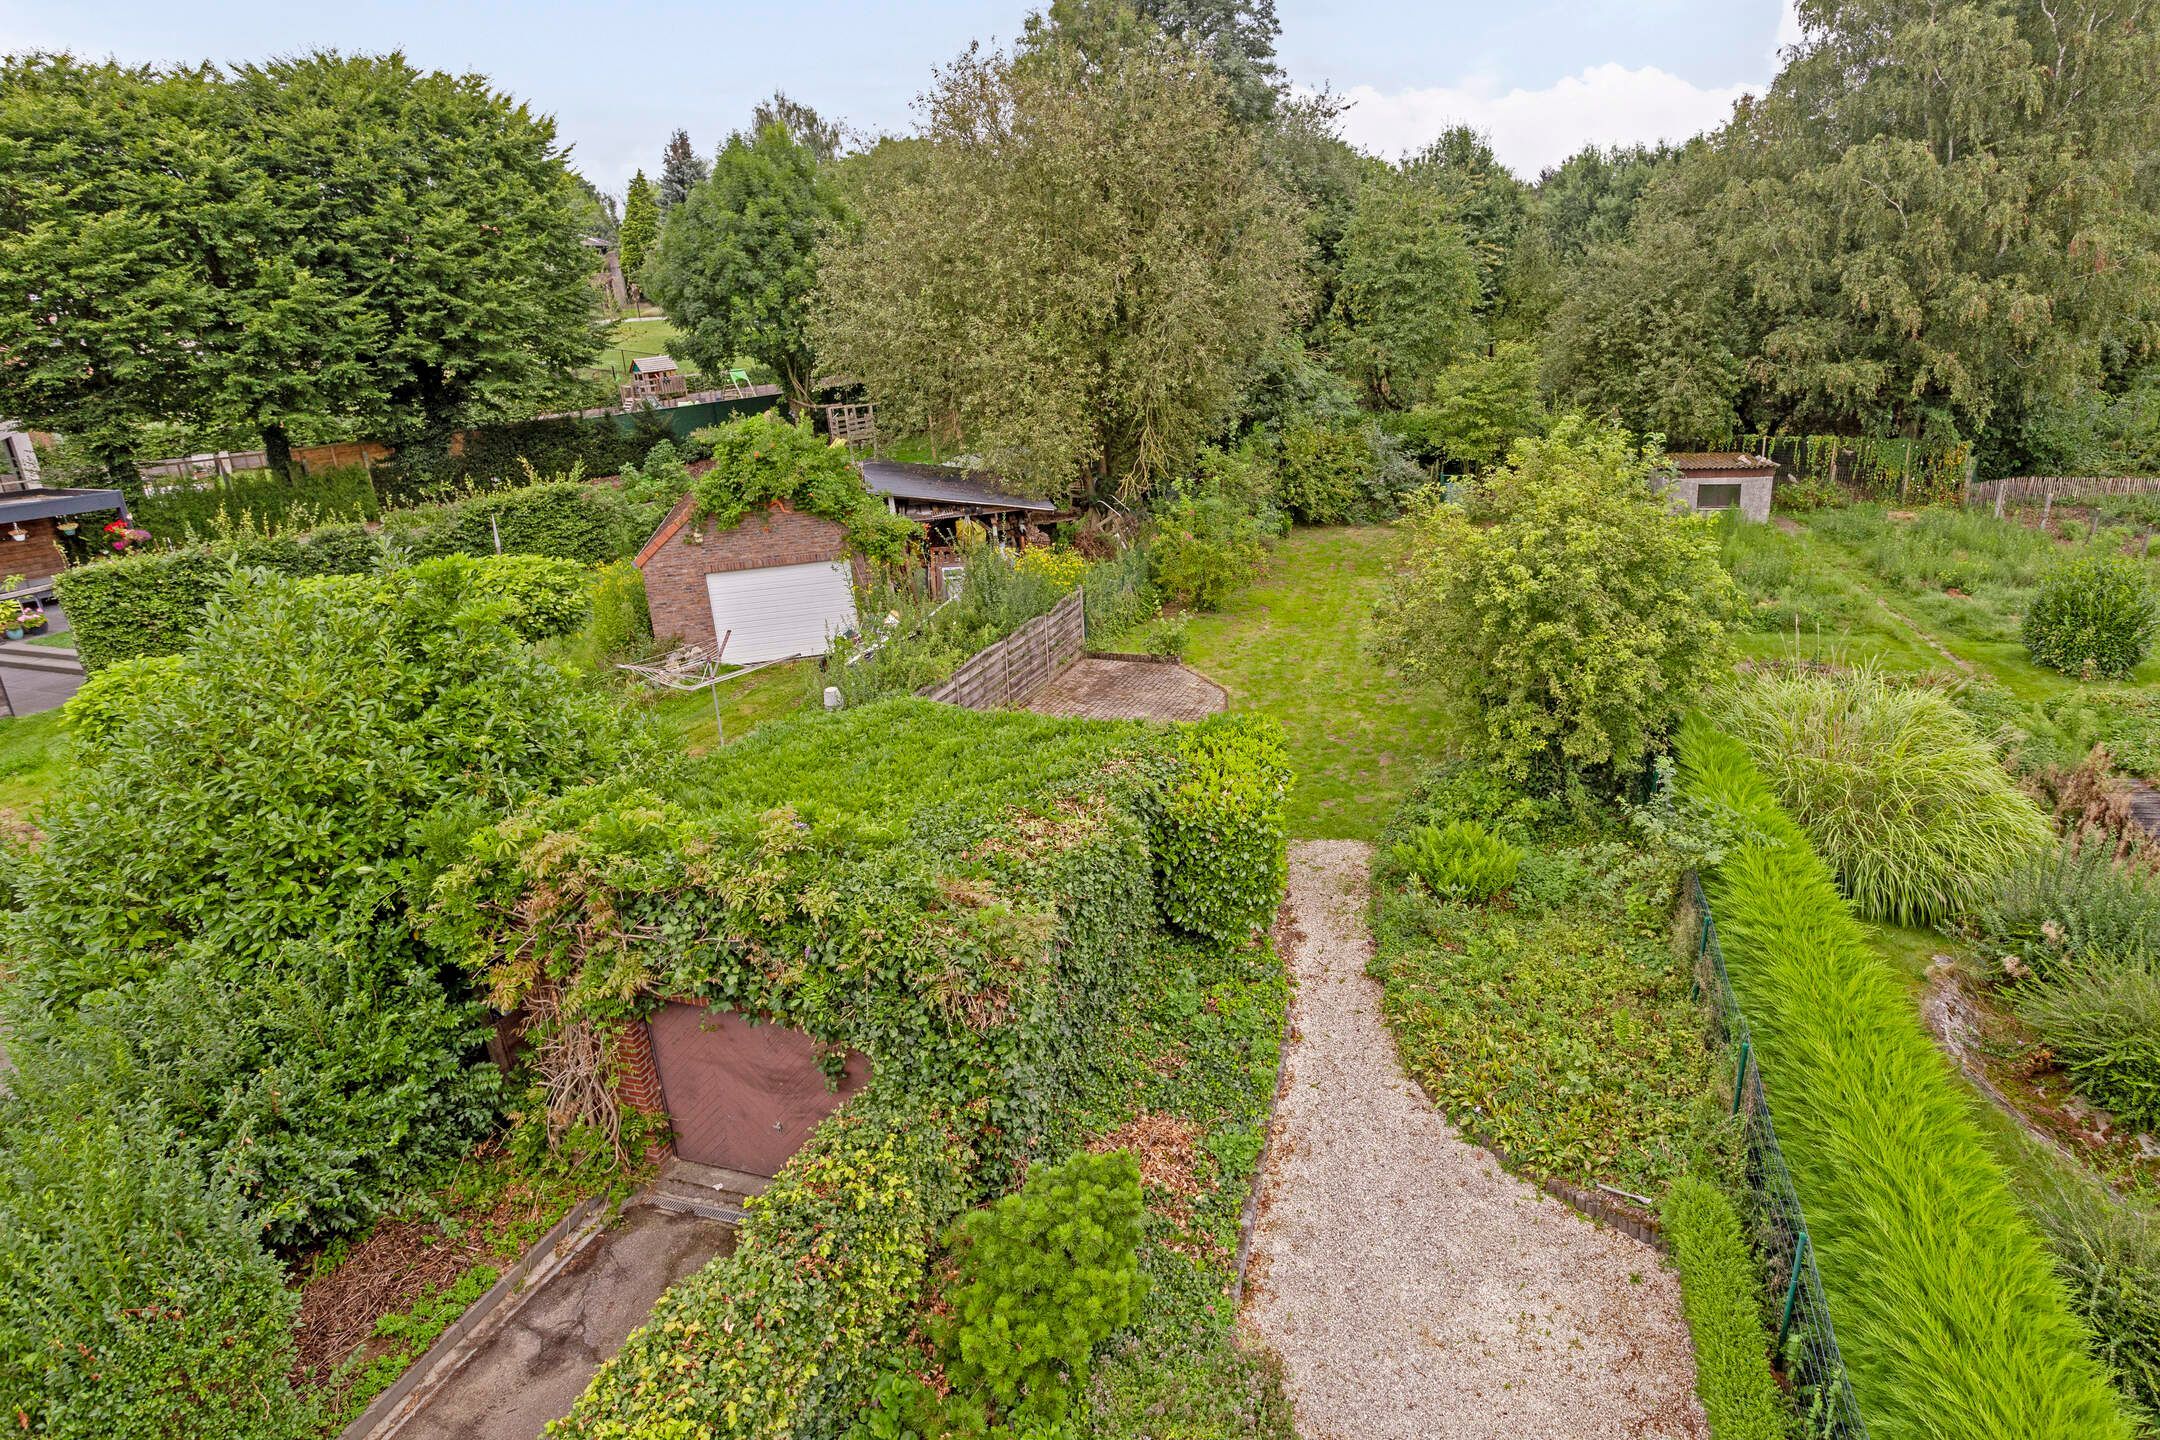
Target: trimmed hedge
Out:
[1719,1289]
[1220,841]
[1953,1323]
[153,602]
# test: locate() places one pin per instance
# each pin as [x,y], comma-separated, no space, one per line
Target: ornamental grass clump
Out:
[1952,1320]
[2095,617]
[1721,1294]
[2101,1020]
[1899,792]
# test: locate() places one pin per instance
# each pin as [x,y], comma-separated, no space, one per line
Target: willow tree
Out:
[1074,270]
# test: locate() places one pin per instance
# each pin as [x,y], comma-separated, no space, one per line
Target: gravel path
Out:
[1412,1287]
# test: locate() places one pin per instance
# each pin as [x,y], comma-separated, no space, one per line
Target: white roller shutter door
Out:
[782,610]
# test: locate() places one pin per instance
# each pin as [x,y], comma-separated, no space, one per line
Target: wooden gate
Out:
[741,1095]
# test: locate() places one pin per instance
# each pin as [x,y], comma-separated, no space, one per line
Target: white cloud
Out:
[1533,129]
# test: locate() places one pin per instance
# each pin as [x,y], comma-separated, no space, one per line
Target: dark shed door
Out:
[743,1096]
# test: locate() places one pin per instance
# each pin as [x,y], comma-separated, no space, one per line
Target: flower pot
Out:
[15,632]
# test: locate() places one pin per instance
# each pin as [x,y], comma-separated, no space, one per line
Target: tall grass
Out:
[1953,1322]
[2107,1248]
[1941,547]
[1898,790]
[1718,1290]
[2101,1019]
[1784,584]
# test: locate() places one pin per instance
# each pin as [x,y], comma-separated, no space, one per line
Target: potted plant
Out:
[15,624]
[33,619]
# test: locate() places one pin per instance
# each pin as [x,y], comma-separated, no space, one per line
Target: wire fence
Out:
[1805,1337]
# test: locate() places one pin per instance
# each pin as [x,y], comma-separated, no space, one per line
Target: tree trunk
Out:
[277,450]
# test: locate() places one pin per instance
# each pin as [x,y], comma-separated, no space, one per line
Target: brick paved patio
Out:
[1102,688]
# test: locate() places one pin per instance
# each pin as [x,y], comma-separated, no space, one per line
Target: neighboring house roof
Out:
[1688,461]
[39,503]
[653,364]
[940,485]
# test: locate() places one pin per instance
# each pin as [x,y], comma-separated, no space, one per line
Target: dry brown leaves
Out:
[1167,1149]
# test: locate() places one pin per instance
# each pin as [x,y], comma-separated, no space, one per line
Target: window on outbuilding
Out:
[1717,497]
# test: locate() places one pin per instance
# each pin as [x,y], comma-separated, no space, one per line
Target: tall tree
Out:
[112,196]
[1486,199]
[447,212]
[737,259]
[1407,296]
[1590,197]
[1077,271]
[1236,37]
[597,216]
[640,227]
[680,170]
[821,137]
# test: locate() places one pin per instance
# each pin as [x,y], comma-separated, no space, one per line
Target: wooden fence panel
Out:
[1007,671]
[2024,489]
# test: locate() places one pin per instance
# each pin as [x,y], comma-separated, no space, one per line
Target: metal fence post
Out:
[1739,1084]
[1792,1289]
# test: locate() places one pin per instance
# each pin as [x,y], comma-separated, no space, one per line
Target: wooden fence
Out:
[2025,489]
[1010,670]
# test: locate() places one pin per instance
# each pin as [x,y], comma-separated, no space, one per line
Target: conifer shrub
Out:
[1951,1318]
[2095,617]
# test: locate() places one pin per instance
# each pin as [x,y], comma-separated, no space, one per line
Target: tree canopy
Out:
[738,258]
[640,226]
[681,169]
[1077,268]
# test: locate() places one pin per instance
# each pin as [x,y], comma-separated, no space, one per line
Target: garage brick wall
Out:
[675,569]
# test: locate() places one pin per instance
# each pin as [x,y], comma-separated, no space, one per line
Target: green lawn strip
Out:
[32,761]
[1556,1024]
[1188,1090]
[1292,646]
[56,639]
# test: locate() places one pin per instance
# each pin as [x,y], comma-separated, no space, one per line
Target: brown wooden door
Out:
[741,1095]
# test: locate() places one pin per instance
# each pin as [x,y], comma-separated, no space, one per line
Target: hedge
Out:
[1952,1320]
[494,457]
[153,602]
[1719,1290]
[1220,840]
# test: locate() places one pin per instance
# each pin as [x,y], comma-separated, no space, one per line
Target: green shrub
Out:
[787,1335]
[1572,619]
[135,1298]
[1220,842]
[1951,1319]
[321,1088]
[110,698]
[566,519]
[1039,1280]
[2107,1248]
[2095,617]
[1207,546]
[262,501]
[620,626]
[1460,860]
[762,458]
[540,596]
[1895,787]
[2066,901]
[1340,473]
[2101,1020]
[1720,1293]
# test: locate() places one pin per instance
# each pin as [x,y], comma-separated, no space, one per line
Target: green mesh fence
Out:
[1794,1295]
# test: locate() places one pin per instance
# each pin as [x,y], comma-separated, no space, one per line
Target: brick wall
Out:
[675,568]
[37,558]
[637,1076]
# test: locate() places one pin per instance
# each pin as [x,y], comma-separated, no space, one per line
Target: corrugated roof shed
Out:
[653,364]
[939,485]
[1689,460]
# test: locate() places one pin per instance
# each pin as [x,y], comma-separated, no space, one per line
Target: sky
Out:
[1541,78]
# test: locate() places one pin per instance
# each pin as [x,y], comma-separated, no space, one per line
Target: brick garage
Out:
[680,557]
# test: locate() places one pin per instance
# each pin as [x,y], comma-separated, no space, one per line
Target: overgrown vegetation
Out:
[1559,1028]
[1721,1295]
[1896,789]
[763,459]
[2095,617]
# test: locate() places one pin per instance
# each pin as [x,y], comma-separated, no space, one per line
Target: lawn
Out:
[30,761]
[687,719]
[632,340]
[1292,646]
